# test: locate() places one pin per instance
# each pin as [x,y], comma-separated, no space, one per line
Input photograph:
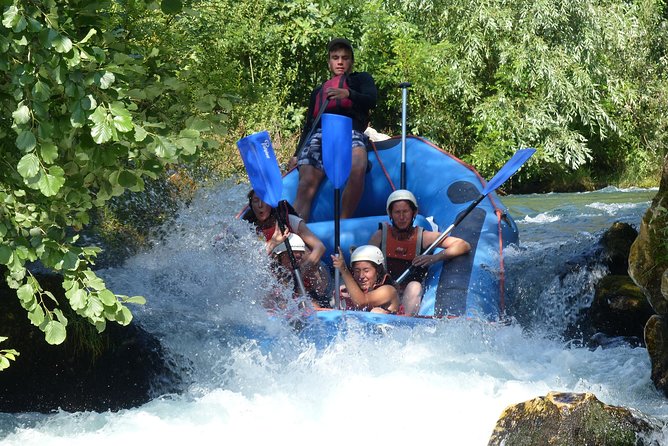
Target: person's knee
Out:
[309,177]
[359,162]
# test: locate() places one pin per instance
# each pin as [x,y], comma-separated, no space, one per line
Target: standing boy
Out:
[348,93]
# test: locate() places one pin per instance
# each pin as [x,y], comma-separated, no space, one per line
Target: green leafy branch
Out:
[92,115]
[6,355]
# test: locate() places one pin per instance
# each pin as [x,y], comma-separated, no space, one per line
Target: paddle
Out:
[259,159]
[501,176]
[404,94]
[337,159]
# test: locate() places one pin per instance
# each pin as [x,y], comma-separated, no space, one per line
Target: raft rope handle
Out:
[380,163]
[502,269]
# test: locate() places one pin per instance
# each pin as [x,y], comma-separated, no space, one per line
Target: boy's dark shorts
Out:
[311,153]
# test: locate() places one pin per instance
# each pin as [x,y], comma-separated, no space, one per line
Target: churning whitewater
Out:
[250,378]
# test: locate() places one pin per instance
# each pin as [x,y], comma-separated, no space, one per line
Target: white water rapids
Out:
[446,384]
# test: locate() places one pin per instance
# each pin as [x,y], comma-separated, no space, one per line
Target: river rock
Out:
[120,368]
[648,258]
[616,243]
[656,338]
[619,307]
[567,419]
[648,263]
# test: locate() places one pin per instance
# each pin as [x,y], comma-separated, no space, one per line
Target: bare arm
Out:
[313,242]
[452,247]
[376,238]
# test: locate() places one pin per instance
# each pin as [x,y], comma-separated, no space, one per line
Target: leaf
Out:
[49,152]
[36,316]
[90,34]
[26,141]
[21,115]
[107,297]
[164,148]
[140,133]
[124,317]
[103,130]
[25,292]
[122,117]
[77,297]
[198,124]
[10,17]
[127,179]
[139,300]
[60,316]
[94,308]
[88,102]
[188,145]
[41,91]
[51,182]
[61,44]
[70,261]
[106,80]
[78,116]
[28,166]
[55,332]
[6,255]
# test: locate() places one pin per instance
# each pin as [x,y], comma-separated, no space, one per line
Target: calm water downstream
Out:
[440,385]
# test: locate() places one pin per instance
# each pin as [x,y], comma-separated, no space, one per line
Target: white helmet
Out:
[368,253]
[296,243]
[399,195]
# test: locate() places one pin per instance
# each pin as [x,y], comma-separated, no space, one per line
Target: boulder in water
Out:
[619,307]
[567,419]
[120,368]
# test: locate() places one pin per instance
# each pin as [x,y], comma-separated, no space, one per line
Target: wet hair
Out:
[249,215]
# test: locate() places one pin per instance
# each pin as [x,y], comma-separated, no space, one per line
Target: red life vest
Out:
[268,231]
[340,81]
[399,254]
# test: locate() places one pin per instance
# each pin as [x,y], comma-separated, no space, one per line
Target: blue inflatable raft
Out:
[472,285]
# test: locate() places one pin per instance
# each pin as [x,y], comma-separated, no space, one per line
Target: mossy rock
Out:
[619,307]
[656,339]
[567,419]
[648,258]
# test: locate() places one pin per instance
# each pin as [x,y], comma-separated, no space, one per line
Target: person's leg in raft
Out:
[411,298]
[309,181]
[355,187]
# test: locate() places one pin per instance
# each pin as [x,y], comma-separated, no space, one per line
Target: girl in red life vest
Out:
[368,287]
[263,217]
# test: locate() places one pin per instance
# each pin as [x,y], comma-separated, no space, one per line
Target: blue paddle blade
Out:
[259,159]
[508,169]
[337,147]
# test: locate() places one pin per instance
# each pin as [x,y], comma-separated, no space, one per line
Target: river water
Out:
[444,384]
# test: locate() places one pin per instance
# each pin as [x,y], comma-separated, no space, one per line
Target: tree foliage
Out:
[582,81]
[89,113]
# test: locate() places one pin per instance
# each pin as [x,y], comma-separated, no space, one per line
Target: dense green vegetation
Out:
[584,82]
[101,97]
